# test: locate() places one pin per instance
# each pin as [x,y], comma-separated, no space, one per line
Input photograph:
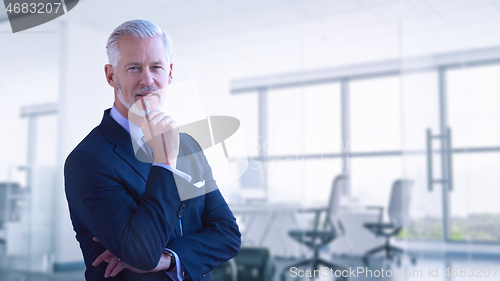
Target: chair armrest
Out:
[381,212]
[317,215]
[312,210]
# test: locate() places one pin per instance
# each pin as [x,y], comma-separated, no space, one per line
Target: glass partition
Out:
[474,117]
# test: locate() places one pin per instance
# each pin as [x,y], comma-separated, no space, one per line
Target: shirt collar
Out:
[134,130]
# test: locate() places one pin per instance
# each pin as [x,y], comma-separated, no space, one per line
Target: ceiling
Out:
[317,32]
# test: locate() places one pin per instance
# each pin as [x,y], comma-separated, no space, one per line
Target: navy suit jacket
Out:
[133,208]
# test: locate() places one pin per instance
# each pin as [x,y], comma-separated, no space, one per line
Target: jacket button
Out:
[179,214]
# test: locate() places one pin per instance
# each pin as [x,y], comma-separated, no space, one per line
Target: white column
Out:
[83,96]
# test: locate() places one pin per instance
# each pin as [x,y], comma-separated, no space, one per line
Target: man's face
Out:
[143,72]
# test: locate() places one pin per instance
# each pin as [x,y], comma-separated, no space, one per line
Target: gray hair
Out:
[137,29]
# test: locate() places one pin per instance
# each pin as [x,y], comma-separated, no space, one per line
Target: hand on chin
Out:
[143,106]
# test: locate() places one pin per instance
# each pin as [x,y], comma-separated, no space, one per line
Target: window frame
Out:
[440,63]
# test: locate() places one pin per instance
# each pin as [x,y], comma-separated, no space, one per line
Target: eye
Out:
[158,67]
[133,68]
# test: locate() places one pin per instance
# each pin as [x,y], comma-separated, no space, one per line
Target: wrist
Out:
[160,160]
[156,161]
[171,258]
[172,163]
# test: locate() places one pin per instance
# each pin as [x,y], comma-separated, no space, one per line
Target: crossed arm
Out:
[137,232]
[115,265]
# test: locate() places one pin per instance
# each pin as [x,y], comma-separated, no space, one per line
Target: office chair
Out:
[322,233]
[398,211]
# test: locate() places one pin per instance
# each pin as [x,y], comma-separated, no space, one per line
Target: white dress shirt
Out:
[137,135]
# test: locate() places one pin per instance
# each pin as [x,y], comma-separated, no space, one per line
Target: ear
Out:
[170,74]
[110,75]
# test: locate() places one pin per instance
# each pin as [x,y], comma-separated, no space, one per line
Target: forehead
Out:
[141,50]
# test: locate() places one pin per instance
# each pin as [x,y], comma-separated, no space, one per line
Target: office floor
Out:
[423,269]
[418,271]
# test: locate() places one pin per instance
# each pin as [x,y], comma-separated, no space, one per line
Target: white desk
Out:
[261,218]
[267,225]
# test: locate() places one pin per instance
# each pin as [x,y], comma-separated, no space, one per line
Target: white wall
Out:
[84,94]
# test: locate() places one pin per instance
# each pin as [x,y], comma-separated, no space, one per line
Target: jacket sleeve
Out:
[217,242]
[134,232]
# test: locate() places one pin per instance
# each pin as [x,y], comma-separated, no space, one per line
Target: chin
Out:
[152,104]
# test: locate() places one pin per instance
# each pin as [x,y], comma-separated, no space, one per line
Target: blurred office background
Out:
[374,90]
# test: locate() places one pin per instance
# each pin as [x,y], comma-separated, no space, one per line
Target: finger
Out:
[167,127]
[117,269]
[160,117]
[111,265]
[153,114]
[143,104]
[174,125]
[167,120]
[95,239]
[146,126]
[104,256]
[144,107]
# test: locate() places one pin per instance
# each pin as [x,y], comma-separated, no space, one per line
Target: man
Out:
[127,212]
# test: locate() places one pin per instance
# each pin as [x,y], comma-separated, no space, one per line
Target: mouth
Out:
[145,94]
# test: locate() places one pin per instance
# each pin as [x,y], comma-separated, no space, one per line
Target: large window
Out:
[375,125]
[375,114]
[304,120]
[420,112]
[246,109]
[372,178]
[385,120]
[303,127]
[475,208]
[474,117]
[305,182]
[473,105]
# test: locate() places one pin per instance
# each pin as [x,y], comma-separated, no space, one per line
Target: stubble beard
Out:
[137,108]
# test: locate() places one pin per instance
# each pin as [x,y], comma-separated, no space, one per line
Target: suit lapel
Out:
[116,134]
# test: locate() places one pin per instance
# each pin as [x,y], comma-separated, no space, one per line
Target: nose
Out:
[147,78]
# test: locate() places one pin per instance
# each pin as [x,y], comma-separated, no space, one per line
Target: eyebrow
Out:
[139,64]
